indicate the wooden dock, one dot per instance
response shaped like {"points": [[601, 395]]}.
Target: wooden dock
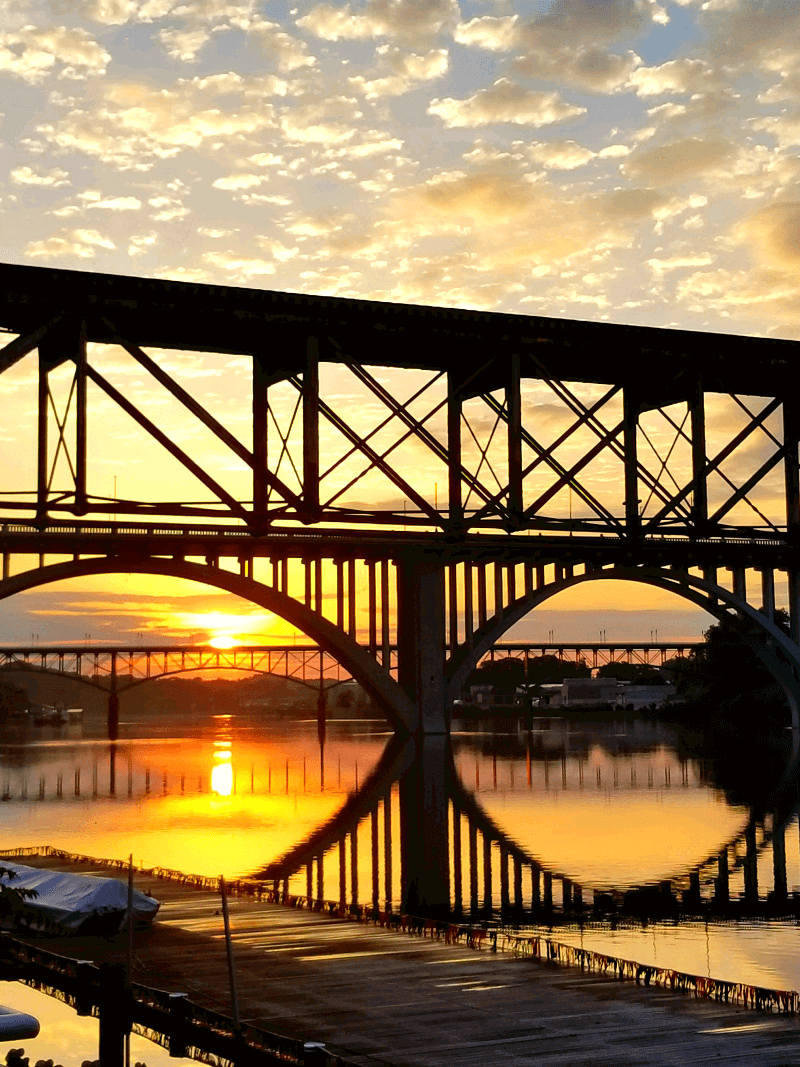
{"points": [[378, 997]]}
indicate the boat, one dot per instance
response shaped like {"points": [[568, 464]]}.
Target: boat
{"points": [[70, 903], [17, 1025]]}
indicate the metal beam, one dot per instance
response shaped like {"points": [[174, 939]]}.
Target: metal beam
{"points": [[198, 471]]}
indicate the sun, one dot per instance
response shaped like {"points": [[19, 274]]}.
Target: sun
{"points": [[223, 641]]}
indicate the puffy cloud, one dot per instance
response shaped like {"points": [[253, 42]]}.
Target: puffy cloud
{"points": [[741, 31], [675, 76], [381, 18], [78, 242], [238, 265], [140, 243], [505, 102], [569, 42], [183, 44], [559, 155], [679, 160], [774, 232], [117, 203], [27, 176], [32, 53], [629, 203], [784, 128], [329, 121], [664, 266], [135, 124], [112, 12], [288, 52], [408, 71], [492, 32], [239, 181]]}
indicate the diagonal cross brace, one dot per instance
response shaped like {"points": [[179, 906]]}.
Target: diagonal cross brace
{"points": [[207, 419], [545, 455], [721, 456], [579, 408], [376, 460], [402, 412], [170, 446]]}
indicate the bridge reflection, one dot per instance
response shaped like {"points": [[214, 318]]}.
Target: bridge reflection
{"points": [[443, 828], [455, 859]]}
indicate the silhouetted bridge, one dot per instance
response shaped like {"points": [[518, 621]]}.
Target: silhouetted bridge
{"points": [[631, 481], [118, 668]]}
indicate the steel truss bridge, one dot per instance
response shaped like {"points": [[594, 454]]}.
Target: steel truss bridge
{"points": [[119, 668], [511, 458]]}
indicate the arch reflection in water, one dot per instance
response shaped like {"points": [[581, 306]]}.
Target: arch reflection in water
{"points": [[462, 854]]}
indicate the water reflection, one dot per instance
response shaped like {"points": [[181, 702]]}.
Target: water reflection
{"points": [[551, 825]]}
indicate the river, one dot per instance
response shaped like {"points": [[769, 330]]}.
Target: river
{"points": [[620, 824]]}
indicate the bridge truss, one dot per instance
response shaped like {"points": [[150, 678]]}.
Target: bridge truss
{"points": [[405, 476], [308, 665]]}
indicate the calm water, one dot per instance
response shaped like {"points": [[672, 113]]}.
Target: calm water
{"points": [[499, 826]]}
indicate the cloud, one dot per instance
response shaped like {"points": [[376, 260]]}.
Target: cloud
{"points": [[381, 18], [505, 102], [112, 12], [559, 155], [78, 242], [408, 72], [675, 76], [135, 125], [33, 53], [239, 181], [629, 203], [664, 266], [183, 44], [330, 121], [238, 265], [774, 233], [288, 53], [570, 41], [26, 176], [679, 160], [117, 203]]}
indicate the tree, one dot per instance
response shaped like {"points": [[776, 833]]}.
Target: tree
{"points": [[12, 898], [637, 673], [728, 669]]}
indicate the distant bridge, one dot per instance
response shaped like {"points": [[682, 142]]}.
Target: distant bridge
{"points": [[118, 667]]}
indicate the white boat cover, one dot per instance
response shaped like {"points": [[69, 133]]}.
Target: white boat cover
{"points": [[71, 899]]}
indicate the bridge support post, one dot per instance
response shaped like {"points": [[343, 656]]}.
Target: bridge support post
{"points": [[424, 832], [421, 640], [113, 702]]}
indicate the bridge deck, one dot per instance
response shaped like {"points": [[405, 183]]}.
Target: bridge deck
{"points": [[385, 998]]}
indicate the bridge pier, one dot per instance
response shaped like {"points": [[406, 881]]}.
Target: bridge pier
{"points": [[421, 646], [113, 702], [424, 831]]}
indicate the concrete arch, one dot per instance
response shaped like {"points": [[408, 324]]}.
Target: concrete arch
{"points": [[394, 702], [707, 595]]}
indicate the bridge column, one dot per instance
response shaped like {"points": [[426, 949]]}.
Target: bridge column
{"points": [[421, 640], [780, 887], [768, 593], [424, 832], [751, 865], [113, 702]]}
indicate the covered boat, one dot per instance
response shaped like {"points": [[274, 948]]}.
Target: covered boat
{"points": [[73, 902]]}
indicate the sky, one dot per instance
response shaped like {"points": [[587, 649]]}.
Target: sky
{"points": [[616, 160]]}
